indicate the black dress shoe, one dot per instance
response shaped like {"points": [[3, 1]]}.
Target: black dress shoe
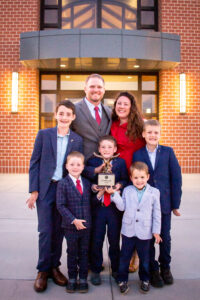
{"points": [[58, 277], [144, 287], [82, 287], [156, 280], [167, 276], [95, 278], [71, 287], [40, 283]]}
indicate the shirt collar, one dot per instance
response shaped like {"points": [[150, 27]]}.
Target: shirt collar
{"points": [[155, 150], [142, 190], [92, 106], [74, 179], [59, 135]]}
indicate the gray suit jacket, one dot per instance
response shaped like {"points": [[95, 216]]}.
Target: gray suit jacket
{"points": [[86, 126], [139, 219]]}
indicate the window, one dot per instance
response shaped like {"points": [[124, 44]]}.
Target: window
{"points": [[121, 14], [57, 86]]}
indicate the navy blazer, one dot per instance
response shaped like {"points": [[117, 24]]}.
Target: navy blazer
{"points": [[71, 204], [166, 176], [118, 168], [44, 156]]}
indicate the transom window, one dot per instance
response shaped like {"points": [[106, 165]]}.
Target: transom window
{"points": [[57, 86], [120, 14]]}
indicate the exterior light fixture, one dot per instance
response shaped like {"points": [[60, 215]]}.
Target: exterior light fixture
{"points": [[182, 93], [136, 66], [14, 92], [62, 66], [148, 110]]}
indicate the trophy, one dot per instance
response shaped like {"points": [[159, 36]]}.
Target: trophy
{"points": [[106, 178]]}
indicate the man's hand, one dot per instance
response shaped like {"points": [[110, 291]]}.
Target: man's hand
{"points": [[32, 199], [79, 224]]}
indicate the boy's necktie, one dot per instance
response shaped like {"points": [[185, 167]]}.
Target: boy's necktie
{"points": [[97, 116], [106, 199], [78, 186]]}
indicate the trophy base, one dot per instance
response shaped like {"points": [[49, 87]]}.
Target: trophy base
{"points": [[106, 180]]}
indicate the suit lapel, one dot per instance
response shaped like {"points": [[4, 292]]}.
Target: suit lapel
{"points": [[148, 160], [73, 187], [158, 154], [70, 144], [86, 112], [54, 141]]}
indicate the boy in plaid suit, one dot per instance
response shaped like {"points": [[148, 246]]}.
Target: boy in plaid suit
{"points": [[73, 203]]}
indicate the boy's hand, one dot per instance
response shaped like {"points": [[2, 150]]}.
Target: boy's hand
{"points": [[157, 238], [110, 190], [79, 224], [97, 188], [118, 186], [32, 199], [176, 212], [100, 193], [99, 169]]}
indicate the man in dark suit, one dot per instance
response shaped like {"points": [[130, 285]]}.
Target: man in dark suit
{"points": [[165, 175], [93, 119], [73, 203], [47, 162]]}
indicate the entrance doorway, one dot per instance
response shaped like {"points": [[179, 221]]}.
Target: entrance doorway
{"points": [[58, 86]]}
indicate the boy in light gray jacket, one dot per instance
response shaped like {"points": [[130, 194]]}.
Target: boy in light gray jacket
{"points": [[141, 220]]}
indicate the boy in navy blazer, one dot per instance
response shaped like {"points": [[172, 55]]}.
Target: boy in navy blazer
{"points": [[73, 203], [51, 148], [104, 213], [141, 220], [165, 175]]}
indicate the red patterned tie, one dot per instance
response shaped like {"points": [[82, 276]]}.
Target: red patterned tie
{"points": [[97, 116], [106, 199], [78, 186]]}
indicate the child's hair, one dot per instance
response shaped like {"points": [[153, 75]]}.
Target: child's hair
{"points": [[75, 154], [109, 138], [66, 103], [94, 76], [151, 122], [140, 166]]}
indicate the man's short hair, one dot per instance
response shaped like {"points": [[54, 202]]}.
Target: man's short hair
{"points": [[94, 76], [75, 154], [109, 138], [140, 166], [66, 103], [151, 122]]}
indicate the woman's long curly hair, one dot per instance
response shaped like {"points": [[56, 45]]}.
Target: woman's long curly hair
{"points": [[135, 120]]}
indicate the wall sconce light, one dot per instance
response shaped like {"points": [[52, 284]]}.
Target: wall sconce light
{"points": [[14, 92], [182, 93]]}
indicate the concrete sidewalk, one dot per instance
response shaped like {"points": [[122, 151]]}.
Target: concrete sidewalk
{"points": [[18, 250]]}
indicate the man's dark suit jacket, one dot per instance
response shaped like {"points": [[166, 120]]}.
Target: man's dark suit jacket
{"points": [[71, 204], [166, 176], [43, 159]]}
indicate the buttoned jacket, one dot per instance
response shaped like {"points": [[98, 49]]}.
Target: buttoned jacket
{"points": [[140, 219], [71, 204]]}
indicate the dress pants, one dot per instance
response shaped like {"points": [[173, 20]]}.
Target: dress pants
{"points": [[77, 253], [50, 231], [105, 218], [129, 244], [165, 246]]}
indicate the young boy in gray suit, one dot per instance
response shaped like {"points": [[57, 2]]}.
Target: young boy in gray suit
{"points": [[142, 219]]}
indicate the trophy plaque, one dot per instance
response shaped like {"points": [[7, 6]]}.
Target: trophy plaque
{"points": [[106, 178]]}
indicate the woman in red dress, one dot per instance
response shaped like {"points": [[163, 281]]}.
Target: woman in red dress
{"points": [[127, 126]]}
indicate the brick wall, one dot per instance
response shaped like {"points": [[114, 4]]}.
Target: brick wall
{"points": [[18, 130], [182, 132]]}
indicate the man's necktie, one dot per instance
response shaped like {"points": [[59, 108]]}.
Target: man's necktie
{"points": [[97, 116], [106, 199], [78, 186]]}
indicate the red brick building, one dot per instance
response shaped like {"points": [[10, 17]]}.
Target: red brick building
{"points": [[142, 46]]}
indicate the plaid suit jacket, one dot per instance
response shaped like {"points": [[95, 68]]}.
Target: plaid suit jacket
{"points": [[71, 204]]}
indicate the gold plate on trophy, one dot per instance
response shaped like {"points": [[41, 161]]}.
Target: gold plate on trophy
{"points": [[106, 179]]}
